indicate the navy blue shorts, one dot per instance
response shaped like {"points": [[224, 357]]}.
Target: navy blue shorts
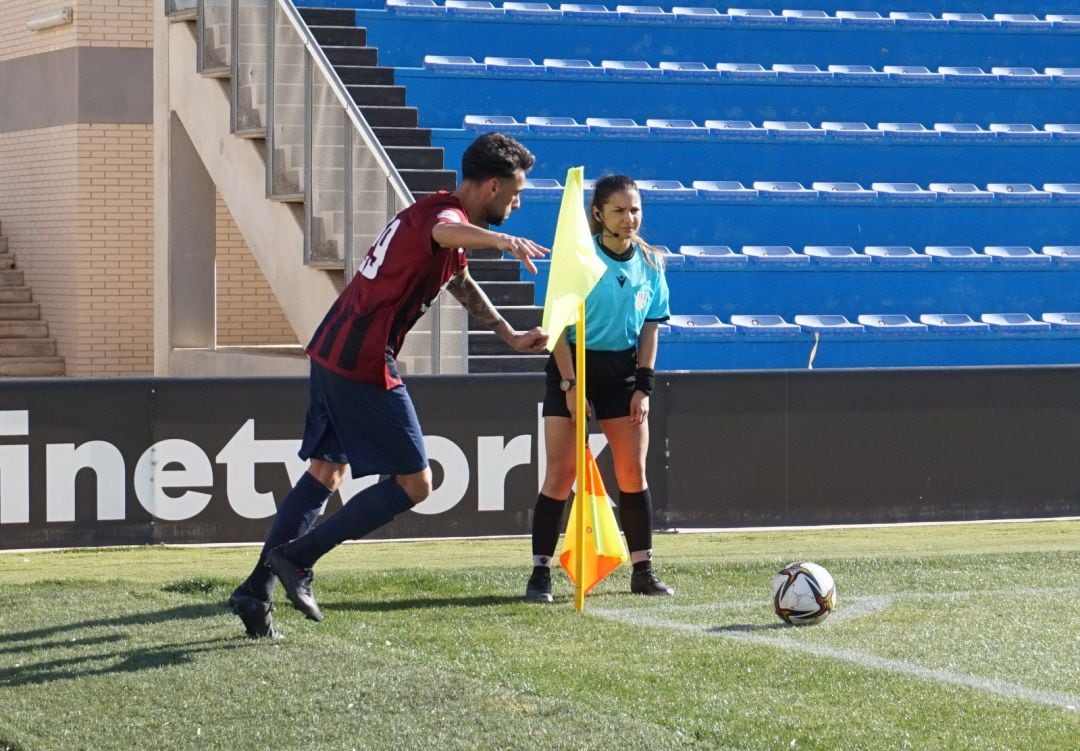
{"points": [[373, 430]]}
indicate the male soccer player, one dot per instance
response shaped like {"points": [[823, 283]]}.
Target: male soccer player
{"points": [[360, 414]]}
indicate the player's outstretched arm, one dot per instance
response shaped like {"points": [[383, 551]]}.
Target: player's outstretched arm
{"points": [[465, 289], [461, 235]]}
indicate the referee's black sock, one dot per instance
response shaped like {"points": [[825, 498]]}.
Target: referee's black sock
{"points": [[547, 518], [635, 514]]}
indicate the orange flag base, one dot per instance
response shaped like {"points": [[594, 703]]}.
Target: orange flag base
{"points": [[603, 546]]}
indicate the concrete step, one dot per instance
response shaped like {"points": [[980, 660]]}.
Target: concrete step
{"points": [[20, 311], [7, 260], [415, 157], [507, 364], [339, 36], [24, 367], [521, 317], [393, 136], [509, 293], [495, 269], [351, 55], [488, 343], [16, 294], [328, 16], [352, 74], [27, 348], [378, 95], [11, 278], [24, 330], [3, 244]]}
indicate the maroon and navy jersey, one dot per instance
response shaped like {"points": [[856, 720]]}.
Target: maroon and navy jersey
{"points": [[403, 272]]}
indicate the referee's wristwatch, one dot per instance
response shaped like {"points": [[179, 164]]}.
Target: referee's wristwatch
{"points": [[567, 383]]}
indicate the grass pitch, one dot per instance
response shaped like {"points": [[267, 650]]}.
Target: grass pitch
{"points": [[945, 637]]}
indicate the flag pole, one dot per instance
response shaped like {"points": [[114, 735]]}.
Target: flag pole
{"points": [[581, 434]]}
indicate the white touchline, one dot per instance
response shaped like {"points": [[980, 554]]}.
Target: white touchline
{"points": [[1001, 688]]}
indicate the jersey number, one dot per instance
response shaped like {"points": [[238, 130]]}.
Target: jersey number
{"points": [[373, 261]]}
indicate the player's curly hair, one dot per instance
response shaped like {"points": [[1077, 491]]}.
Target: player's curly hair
{"points": [[603, 189], [495, 155]]}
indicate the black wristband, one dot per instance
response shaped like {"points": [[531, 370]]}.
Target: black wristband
{"points": [[644, 380]]}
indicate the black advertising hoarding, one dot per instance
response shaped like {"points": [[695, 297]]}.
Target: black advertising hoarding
{"points": [[140, 461]]}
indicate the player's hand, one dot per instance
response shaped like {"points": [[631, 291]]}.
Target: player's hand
{"points": [[639, 407], [523, 249], [533, 340]]}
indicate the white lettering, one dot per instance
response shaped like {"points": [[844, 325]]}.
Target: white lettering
{"points": [[153, 476], [455, 476], [63, 462], [494, 462], [241, 454], [14, 484]]}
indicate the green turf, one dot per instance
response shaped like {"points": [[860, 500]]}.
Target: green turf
{"points": [[946, 637]]}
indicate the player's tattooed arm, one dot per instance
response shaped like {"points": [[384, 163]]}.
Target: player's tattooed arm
{"points": [[466, 291]]}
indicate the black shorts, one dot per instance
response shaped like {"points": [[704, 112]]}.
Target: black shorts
{"points": [[609, 384]]}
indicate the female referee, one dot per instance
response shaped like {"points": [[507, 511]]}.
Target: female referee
{"points": [[622, 314]]}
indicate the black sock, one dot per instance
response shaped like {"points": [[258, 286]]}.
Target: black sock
{"points": [[547, 518], [635, 514]]}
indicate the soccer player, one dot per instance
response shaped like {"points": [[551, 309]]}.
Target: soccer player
{"points": [[622, 314], [360, 414]]}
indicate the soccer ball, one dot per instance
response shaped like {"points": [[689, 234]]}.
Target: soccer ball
{"points": [[803, 593]]}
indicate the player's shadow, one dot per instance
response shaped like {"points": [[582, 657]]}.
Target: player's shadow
{"points": [[414, 603], [746, 628]]}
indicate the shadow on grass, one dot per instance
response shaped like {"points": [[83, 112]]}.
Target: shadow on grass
{"points": [[747, 628], [422, 603]]}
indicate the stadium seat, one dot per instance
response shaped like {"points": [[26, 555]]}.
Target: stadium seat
{"points": [[664, 189], [1069, 76], [785, 191], [1065, 22], [774, 255], [967, 74], [952, 322], [742, 130], [793, 130], [632, 69], [1016, 255], [964, 131], [863, 18], [1021, 132], [1018, 193], [586, 11], [1013, 323], [812, 18], [1022, 75], [744, 71], [518, 66], [564, 68], [454, 64], [835, 255], [564, 126], [957, 255], [616, 126], [844, 192], [689, 70], [1063, 254], [1023, 21], [969, 20], [1063, 321], [712, 255], [856, 73], [698, 325], [908, 132], [896, 255], [724, 190], [828, 324], [501, 123], [961, 193], [912, 74], [473, 9], [684, 128], [541, 186], [644, 14], [848, 131], [699, 15], [764, 325], [415, 7], [671, 260], [903, 193], [755, 17], [912, 19], [534, 10], [1063, 192], [891, 323], [800, 72], [1063, 131]]}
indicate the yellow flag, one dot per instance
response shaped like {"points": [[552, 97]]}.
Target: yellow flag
{"points": [[603, 544], [575, 267]]}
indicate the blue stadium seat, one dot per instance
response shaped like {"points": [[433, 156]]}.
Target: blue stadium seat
{"points": [[1016, 255], [811, 18], [688, 70], [914, 19], [896, 255], [700, 15], [586, 11], [644, 14], [1013, 323], [501, 123], [1064, 22], [541, 186], [908, 132], [754, 325], [473, 9], [891, 323], [567, 126], [863, 18], [454, 64], [742, 130], [801, 72], [774, 255], [789, 130], [1018, 193], [534, 10], [699, 325], [785, 191], [633, 69], [1063, 321], [904, 193], [1063, 192], [835, 255], [664, 189], [1063, 254], [828, 324], [961, 193], [671, 260], [518, 66], [844, 192], [415, 7], [712, 255], [570, 68], [616, 126], [912, 74], [957, 255], [755, 17], [685, 128], [965, 131], [1064, 131], [857, 73], [1020, 74], [724, 190], [945, 323], [851, 131], [1021, 132], [744, 71], [1068, 76], [1023, 21], [969, 20], [967, 74]]}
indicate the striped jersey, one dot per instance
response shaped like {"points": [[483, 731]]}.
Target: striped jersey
{"points": [[630, 293], [401, 275]]}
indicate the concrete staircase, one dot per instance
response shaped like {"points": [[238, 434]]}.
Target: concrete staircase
{"points": [[25, 347]]}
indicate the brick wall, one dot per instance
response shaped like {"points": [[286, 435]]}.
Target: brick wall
{"points": [[98, 23]]}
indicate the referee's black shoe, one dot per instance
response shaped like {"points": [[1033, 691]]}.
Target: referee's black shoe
{"points": [[255, 613], [297, 583], [646, 582], [539, 587]]}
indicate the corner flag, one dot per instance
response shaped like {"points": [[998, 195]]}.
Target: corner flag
{"points": [[575, 267], [604, 548]]}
